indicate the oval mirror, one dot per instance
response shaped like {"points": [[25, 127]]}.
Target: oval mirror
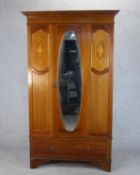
{"points": [[69, 80]]}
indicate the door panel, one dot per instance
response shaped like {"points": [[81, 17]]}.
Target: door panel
{"points": [[40, 70], [99, 120], [79, 31], [41, 101], [100, 75]]}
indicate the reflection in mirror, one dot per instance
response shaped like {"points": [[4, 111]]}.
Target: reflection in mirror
{"points": [[69, 79]]}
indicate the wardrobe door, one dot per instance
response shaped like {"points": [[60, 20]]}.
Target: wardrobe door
{"points": [[40, 79], [69, 80], [101, 80]]}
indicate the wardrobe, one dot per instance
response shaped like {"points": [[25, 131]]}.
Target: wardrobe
{"points": [[70, 83]]}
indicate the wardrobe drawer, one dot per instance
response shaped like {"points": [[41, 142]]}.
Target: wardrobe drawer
{"points": [[70, 150]]}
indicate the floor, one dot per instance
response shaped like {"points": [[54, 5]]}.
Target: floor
{"points": [[15, 161]]}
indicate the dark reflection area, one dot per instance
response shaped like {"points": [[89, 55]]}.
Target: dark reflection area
{"points": [[70, 81]]}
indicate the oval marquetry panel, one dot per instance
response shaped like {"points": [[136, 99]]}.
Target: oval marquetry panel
{"points": [[40, 50], [100, 50]]}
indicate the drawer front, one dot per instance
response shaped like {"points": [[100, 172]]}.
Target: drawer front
{"points": [[74, 150]]}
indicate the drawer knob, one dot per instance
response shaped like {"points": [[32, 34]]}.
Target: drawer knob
{"points": [[51, 149], [88, 149]]}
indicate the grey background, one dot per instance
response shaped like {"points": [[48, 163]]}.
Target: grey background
{"points": [[13, 75]]}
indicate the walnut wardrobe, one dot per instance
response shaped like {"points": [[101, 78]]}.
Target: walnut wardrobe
{"points": [[70, 75]]}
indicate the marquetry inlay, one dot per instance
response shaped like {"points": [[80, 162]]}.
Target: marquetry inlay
{"points": [[40, 50], [100, 50]]}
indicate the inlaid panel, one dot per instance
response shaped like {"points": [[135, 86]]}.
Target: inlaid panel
{"points": [[100, 50], [40, 50]]}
